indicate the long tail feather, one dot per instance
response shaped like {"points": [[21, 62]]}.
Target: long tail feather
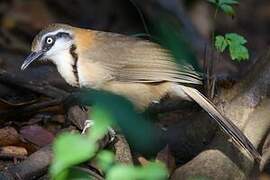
{"points": [[228, 126]]}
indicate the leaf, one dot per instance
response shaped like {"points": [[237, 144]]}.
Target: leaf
{"points": [[73, 173], [37, 135], [227, 9], [236, 46], [225, 5], [71, 149], [174, 40], [105, 160], [152, 171], [140, 133], [220, 43], [235, 38], [236, 43], [238, 52], [229, 2], [102, 120]]}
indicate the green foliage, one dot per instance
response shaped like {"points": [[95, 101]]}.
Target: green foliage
{"points": [[105, 160], [221, 43], [235, 43], [69, 150], [107, 109], [73, 173], [133, 125], [225, 5], [171, 37], [102, 120], [151, 171]]}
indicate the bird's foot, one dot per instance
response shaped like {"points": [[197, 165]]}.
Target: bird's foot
{"points": [[90, 123], [87, 124]]}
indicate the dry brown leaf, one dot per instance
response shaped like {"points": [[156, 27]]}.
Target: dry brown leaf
{"points": [[13, 152], [9, 136], [37, 135]]}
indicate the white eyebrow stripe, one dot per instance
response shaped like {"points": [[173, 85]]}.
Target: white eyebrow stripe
{"points": [[54, 33]]}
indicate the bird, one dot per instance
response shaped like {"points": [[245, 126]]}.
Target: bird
{"points": [[138, 69]]}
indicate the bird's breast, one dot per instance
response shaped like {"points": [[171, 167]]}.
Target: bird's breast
{"points": [[92, 74]]}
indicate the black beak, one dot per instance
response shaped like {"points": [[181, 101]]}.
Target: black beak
{"points": [[31, 57]]}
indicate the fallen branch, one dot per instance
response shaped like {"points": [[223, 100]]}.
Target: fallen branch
{"points": [[44, 89], [30, 109]]}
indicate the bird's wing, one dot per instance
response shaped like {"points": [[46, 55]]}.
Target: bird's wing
{"points": [[130, 59]]}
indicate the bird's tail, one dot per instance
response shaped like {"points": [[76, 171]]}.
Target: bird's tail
{"points": [[228, 126]]}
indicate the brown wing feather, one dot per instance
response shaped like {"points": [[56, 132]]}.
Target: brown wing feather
{"points": [[134, 60], [228, 126]]}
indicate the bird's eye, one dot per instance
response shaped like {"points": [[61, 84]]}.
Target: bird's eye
{"points": [[49, 40]]}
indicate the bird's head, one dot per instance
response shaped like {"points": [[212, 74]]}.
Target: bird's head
{"points": [[50, 42]]}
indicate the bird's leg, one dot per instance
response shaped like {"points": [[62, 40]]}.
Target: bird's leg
{"points": [[87, 124], [90, 123], [112, 134]]}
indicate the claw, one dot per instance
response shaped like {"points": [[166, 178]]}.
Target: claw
{"points": [[112, 134], [89, 123]]}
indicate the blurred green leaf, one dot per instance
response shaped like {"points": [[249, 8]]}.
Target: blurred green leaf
{"points": [[141, 134], [61, 175], [72, 149], [219, 3], [105, 159], [69, 150], [170, 36], [72, 174], [225, 5], [228, 2], [78, 174], [227, 9], [102, 120], [152, 171]]}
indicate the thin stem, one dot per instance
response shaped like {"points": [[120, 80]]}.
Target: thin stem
{"points": [[214, 23], [210, 88], [216, 12]]}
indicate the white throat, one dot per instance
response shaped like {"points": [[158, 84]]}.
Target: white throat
{"points": [[64, 63]]}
